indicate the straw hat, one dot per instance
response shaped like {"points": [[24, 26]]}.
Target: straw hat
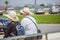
{"points": [[12, 15], [26, 10]]}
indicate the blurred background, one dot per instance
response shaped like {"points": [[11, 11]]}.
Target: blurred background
{"points": [[37, 6], [49, 9], [45, 12]]}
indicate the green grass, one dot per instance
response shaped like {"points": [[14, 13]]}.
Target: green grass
{"points": [[45, 19], [52, 19]]}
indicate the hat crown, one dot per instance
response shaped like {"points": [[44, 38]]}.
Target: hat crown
{"points": [[12, 15], [26, 10]]}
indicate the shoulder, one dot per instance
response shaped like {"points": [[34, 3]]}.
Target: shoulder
{"points": [[32, 18], [11, 24], [24, 20]]}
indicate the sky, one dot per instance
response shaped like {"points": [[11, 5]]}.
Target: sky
{"points": [[23, 2]]}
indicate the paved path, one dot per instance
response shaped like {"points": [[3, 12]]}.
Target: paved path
{"points": [[1, 36], [53, 36], [50, 28], [55, 39]]}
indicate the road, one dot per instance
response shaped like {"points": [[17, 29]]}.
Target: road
{"points": [[50, 28]]}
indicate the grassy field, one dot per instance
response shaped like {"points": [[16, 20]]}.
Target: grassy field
{"points": [[46, 19], [52, 19]]}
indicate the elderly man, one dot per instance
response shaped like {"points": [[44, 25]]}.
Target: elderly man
{"points": [[28, 22]]}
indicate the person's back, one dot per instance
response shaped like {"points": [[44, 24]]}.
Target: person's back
{"points": [[29, 26], [10, 29]]}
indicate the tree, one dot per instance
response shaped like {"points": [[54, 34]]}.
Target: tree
{"points": [[6, 2]]}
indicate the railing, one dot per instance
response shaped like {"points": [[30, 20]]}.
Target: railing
{"points": [[45, 28], [25, 36]]}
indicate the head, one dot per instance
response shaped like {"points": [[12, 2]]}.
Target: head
{"points": [[26, 11], [12, 16]]}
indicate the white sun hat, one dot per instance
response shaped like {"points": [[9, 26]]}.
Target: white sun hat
{"points": [[26, 10], [12, 15]]}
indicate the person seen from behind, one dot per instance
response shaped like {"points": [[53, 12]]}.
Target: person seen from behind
{"points": [[10, 29], [27, 23]]}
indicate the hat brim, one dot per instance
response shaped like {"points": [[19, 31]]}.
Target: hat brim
{"points": [[22, 11], [11, 18], [30, 13]]}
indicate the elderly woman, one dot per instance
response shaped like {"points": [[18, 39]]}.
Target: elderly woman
{"points": [[11, 26]]}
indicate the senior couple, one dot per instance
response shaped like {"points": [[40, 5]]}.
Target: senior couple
{"points": [[28, 22]]}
